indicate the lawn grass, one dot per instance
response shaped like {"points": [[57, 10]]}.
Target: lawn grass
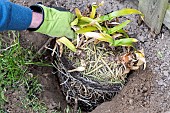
{"points": [[15, 77], [18, 86]]}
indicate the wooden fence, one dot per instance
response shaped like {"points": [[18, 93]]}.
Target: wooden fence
{"points": [[157, 12]]}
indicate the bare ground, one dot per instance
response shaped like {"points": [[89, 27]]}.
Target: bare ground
{"points": [[147, 91]]}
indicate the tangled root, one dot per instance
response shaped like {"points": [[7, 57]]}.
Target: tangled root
{"points": [[81, 91]]}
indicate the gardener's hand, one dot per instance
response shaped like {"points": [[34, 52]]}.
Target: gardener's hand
{"points": [[55, 22]]}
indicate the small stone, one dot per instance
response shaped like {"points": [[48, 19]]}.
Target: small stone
{"points": [[145, 89], [132, 107], [130, 101], [144, 103], [145, 94], [146, 29], [166, 73], [161, 83], [142, 38]]}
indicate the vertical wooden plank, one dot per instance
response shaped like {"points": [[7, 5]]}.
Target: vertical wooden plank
{"points": [[167, 17], [154, 11]]}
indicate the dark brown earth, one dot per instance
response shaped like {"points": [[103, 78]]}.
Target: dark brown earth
{"points": [[147, 91]]}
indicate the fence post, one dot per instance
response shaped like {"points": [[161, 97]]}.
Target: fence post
{"points": [[154, 11]]}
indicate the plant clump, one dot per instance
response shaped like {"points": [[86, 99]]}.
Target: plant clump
{"points": [[97, 62], [95, 53]]}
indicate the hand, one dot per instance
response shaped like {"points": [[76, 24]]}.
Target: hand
{"points": [[56, 22]]}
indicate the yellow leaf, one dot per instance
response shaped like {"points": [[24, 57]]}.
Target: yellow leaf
{"points": [[100, 36], [78, 13], [75, 22], [140, 56], [67, 43]]}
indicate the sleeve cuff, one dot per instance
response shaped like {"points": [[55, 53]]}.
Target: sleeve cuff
{"points": [[17, 17], [20, 17]]}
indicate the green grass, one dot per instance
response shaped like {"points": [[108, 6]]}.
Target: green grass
{"points": [[68, 109], [14, 77]]}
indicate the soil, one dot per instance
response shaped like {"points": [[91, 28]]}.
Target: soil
{"points": [[146, 91]]}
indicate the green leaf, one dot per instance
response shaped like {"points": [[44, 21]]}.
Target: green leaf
{"points": [[98, 26], [94, 7], [67, 43], [86, 29], [86, 19], [123, 32], [82, 24], [3, 96], [106, 38], [118, 27], [93, 12], [100, 36], [91, 22], [75, 22], [78, 13], [122, 12], [124, 42]]}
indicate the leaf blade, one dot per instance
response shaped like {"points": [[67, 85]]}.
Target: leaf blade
{"points": [[93, 12], [122, 12], [67, 43], [100, 36], [86, 29], [91, 22], [125, 42], [74, 22], [78, 13], [118, 27]]}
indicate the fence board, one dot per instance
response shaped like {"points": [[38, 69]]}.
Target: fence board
{"points": [[167, 17], [154, 11]]}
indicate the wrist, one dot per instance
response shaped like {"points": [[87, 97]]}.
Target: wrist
{"points": [[37, 19]]}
